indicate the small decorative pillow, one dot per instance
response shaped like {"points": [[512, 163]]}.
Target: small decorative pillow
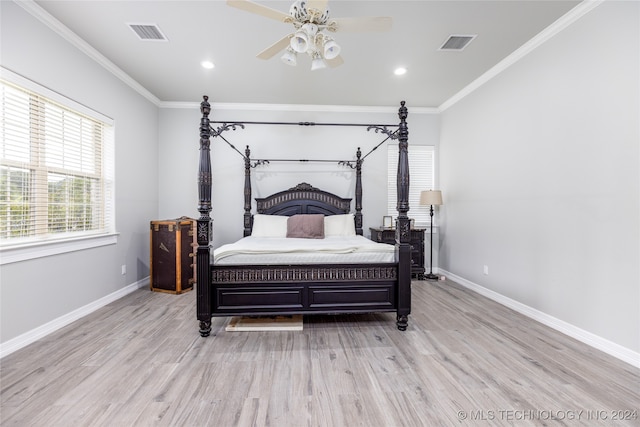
{"points": [[269, 225], [306, 226], [339, 225]]}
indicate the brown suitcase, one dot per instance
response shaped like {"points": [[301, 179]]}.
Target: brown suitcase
{"points": [[172, 255]]}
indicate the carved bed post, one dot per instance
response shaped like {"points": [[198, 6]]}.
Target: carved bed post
{"points": [[203, 267], [358, 215], [403, 231], [247, 192]]}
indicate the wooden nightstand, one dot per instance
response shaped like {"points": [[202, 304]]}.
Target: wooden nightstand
{"points": [[388, 235]]}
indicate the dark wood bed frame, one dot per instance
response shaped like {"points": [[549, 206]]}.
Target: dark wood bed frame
{"points": [[234, 290]]}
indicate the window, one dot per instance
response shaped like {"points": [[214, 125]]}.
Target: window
{"points": [[421, 176], [56, 166]]}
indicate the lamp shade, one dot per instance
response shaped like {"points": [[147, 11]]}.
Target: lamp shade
{"points": [[289, 57], [431, 197], [331, 49], [299, 42], [318, 64]]}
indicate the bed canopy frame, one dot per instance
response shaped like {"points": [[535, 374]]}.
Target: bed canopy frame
{"points": [[204, 233]]}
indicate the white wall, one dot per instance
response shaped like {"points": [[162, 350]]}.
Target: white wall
{"points": [[179, 145], [34, 293], [541, 178]]}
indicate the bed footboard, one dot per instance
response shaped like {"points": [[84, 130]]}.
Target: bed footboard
{"points": [[265, 290]]}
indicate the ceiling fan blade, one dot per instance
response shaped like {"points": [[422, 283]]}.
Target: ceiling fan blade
{"points": [[335, 62], [259, 9], [275, 48], [369, 23], [321, 5]]}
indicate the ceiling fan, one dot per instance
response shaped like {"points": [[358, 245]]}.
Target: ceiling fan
{"points": [[311, 21]]}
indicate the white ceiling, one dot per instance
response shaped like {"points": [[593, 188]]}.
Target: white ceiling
{"points": [[231, 38]]}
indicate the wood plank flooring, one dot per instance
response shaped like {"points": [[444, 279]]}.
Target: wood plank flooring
{"points": [[464, 360]]}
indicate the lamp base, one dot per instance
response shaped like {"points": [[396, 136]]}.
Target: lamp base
{"points": [[431, 276]]}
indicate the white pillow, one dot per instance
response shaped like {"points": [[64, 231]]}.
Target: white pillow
{"points": [[339, 225], [269, 225]]}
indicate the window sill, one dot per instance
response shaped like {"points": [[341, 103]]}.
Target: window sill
{"points": [[29, 251]]}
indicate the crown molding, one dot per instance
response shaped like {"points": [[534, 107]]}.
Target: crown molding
{"points": [[299, 107], [62, 30], [558, 26]]}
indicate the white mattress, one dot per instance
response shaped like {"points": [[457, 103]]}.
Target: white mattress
{"points": [[278, 250]]}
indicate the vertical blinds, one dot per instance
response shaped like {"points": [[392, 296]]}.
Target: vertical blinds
{"points": [[55, 181], [421, 175]]}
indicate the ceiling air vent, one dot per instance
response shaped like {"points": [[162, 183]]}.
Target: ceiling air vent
{"points": [[457, 42], [148, 32]]}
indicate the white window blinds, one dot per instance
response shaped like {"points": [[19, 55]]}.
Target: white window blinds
{"points": [[56, 169], [421, 177]]}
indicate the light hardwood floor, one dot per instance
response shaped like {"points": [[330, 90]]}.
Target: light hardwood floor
{"points": [[464, 360]]}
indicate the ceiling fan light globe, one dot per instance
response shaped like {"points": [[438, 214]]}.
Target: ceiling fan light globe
{"points": [[289, 57], [331, 49], [310, 29], [318, 64], [299, 42]]}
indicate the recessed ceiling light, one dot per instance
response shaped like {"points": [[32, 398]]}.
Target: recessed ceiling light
{"points": [[207, 64], [400, 71]]}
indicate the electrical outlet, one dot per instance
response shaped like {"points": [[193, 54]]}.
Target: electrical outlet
{"points": [[486, 270], [124, 269]]}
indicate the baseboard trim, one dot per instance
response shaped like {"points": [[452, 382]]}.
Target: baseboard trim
{"points": [[33, 335], [616, 350]]}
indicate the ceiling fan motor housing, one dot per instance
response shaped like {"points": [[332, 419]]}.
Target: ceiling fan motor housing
{"points": [[299, 12]]}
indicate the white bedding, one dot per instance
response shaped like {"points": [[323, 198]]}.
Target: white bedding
{"points": [[278, 250]]}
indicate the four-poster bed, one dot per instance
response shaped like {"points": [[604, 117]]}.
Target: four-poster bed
{"points": [[350, 285]]}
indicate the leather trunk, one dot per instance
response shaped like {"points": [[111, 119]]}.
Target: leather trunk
{"points": [[173, 255]]}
